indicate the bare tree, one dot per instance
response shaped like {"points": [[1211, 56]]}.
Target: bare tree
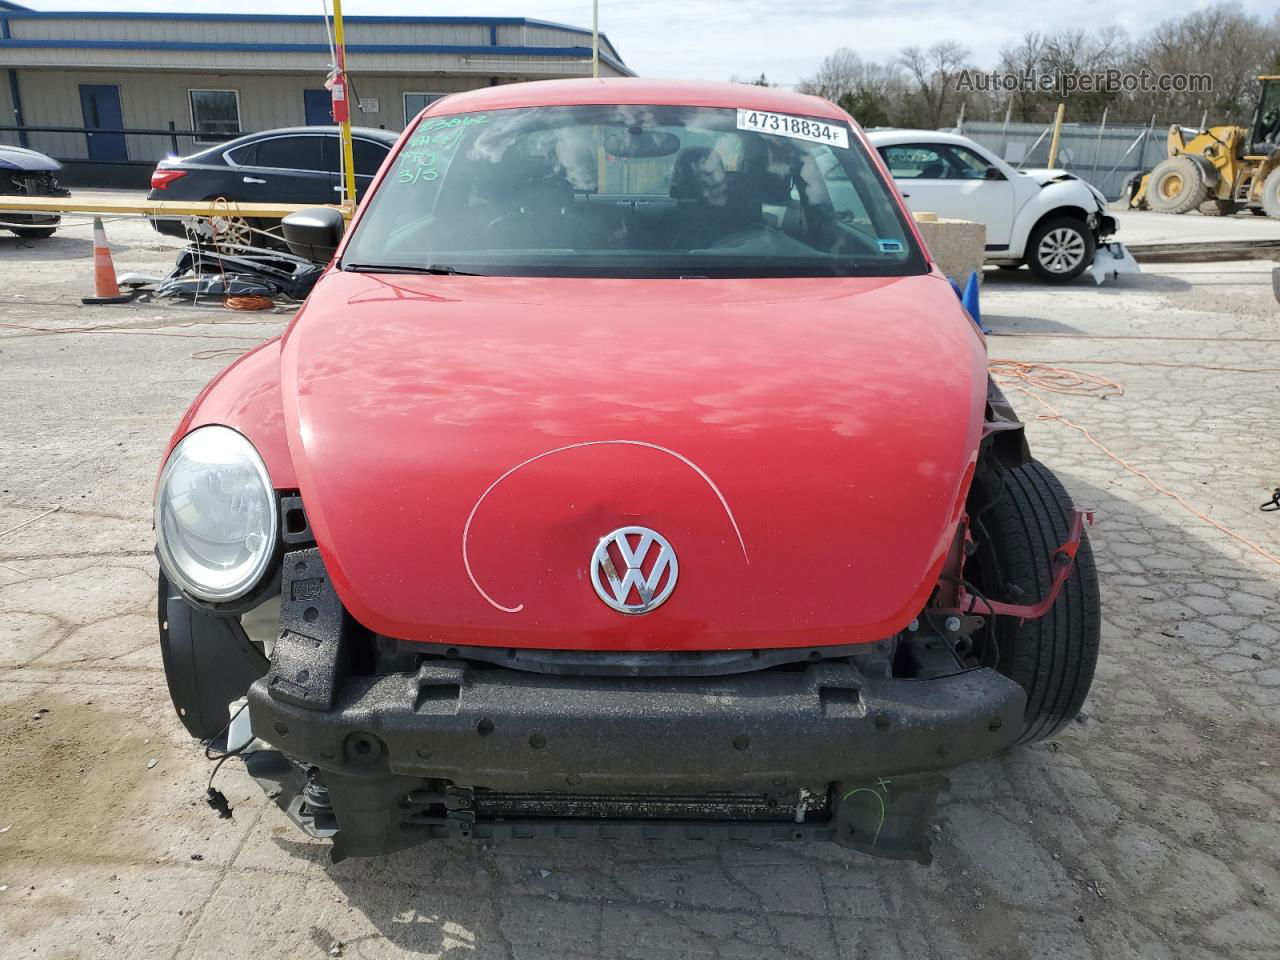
{"points": [[921, 87], [933, 73], [1221, 40], [1023, 61], [867, 90], [838, 74]]}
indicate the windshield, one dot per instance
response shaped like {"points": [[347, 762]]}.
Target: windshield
{"points": [[633, 191]]}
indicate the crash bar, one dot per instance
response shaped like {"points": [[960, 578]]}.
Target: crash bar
{"points": [[160, 208], [1062, 561]]}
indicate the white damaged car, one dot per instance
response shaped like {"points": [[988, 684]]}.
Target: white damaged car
{"points": [[1051, 220]]}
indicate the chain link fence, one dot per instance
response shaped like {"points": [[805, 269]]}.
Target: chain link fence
{"points": [[1104, 156]]}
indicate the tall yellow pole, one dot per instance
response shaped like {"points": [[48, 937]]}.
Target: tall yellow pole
{"points": [[1057, 134], [595, 38], [344, 125]]}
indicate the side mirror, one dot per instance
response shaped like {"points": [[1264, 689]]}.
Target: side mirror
{"points": [[993, 173], [314, 234]]}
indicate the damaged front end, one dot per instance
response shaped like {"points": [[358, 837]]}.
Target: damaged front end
{"points": [[381, 744], [17, 182], [1111, 257]]}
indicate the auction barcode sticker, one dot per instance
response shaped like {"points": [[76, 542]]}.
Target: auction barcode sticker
{"points": [[798, 128]]}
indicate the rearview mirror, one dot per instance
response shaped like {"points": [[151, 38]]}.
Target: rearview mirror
{"points": [[314, 234], [635, 143], [993, 173]]}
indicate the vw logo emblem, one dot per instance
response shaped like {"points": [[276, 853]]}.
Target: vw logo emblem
{"points": [[634, 569]]}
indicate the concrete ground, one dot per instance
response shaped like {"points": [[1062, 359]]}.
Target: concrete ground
{"points": [[1150, 828], [1140, 227]]}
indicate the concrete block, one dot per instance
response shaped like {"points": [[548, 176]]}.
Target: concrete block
{"points": [[957, 245]]}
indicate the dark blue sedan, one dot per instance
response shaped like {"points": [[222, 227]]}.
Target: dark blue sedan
{"points": [[289, 165]]}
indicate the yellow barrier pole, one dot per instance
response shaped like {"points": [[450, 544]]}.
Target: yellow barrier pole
{"points": [[77, 204], [595, 38], [344, 119], [1057, 134]]}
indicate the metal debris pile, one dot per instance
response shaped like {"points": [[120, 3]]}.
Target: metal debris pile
{"points": [[255, 274]]}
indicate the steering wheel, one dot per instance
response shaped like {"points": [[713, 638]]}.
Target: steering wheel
{"points": [[506, 220]]}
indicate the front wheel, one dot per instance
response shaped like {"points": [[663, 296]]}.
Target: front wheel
{"points": [[34, 233], [1176, 186], [1060, 248], [1025, 518]]}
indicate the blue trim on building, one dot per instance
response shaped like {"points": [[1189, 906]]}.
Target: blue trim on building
{"points": [[575, 53], [492, 22]]}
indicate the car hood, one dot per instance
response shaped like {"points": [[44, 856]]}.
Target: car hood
{"points": [[1048, 177], [20, 158], [462, 444]]}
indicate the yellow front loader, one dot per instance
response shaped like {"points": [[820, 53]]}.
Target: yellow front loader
{"points": [[1222, 169]]}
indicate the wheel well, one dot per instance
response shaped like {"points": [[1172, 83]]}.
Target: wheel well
{"points": [[1271, 162], [1005, 445], [1208, 172], [252, 221], [1076, 213]]}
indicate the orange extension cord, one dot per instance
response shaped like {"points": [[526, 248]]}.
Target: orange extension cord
{"points": [[1028, 377], [248, 302]]}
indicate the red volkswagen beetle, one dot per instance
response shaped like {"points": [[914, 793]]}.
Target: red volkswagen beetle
{"points": [[631, 471]]}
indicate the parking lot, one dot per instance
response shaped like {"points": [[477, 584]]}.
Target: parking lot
{"points": [[1149, 828]]}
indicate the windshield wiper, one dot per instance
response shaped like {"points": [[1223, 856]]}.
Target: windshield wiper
{"points": [[435, 269]]}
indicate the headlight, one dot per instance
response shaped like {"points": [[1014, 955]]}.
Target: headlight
{"points": [[216, 517]]}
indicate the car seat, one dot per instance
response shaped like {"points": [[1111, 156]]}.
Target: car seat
{"points": [[717, 203]]}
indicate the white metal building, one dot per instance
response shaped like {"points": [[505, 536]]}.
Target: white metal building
{"points": [[219, 75]]}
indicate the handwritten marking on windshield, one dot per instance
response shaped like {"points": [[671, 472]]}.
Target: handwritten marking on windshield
{"points": [[466, 529]]}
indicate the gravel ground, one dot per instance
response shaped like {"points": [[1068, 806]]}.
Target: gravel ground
{"points": [[1151, 828]]}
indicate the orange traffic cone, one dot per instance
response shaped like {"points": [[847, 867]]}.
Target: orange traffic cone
{"points": [[105, 288]]}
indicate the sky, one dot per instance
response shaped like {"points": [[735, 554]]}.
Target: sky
{"points": [[784, 39]]}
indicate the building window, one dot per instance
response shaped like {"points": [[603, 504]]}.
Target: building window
{"points": [[215, 115], [414, 103]]}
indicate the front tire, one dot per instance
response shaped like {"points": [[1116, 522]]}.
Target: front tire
{"points": [[1176, 186], [34, 233], [1027, 516], [1060, 249]]}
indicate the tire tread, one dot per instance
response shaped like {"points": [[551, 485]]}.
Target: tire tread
{"points": [[1052, 658]]}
